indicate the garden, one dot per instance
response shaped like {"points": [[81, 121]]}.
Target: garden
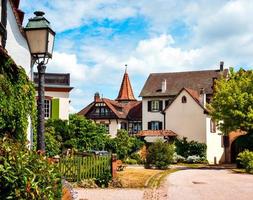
{"points": [[27, 174]]}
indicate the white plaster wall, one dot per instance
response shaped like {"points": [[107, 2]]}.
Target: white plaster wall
{"points": [[186, 119], [17, 48], [113, 126], [64, 105], [16, 44], [215, 149], [151, 116]]}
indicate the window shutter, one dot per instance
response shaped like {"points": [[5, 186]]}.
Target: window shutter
{"points": [[55, 109], [160, 105], [149, 125], [160, 125], [149, 106], [166, 103]]}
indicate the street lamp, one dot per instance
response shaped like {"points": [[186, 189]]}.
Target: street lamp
{"points": [[40, 38]]}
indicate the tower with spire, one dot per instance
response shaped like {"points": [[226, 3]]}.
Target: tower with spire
{"points": [[126, 92]]}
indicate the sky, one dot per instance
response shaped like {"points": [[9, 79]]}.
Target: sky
{"points": [[96, 38]]}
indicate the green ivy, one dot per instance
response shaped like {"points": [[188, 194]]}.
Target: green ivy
{"points": [[17, 99]]}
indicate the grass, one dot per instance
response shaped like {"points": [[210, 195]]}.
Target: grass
{"points": [[192, 165], [157, 180], [140, 177], [240, 171]]}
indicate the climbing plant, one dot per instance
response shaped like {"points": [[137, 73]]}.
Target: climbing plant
{"points": [[17, 99]]}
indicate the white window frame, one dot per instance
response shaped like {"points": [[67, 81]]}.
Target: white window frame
{"points": [[155, 105], [155, 125], [47, 110]]}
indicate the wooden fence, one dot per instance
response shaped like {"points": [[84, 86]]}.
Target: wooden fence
{"points": [[76, 168]]}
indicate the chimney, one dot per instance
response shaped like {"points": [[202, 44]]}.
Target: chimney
{"points": [[202, 97], [96, 97], [164, 86], [221, 66]]}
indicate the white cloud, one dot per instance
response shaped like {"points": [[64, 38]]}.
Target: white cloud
{"points": [[218, 30], [68, 63]]}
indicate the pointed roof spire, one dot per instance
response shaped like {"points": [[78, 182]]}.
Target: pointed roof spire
{"points": [[126, 91]]}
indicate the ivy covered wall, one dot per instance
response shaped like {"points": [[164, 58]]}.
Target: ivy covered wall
{"points": [[17, 99]]}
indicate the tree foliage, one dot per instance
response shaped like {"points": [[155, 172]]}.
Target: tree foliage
{"points": [[160, 155], [124, 145], [17, 99], [191, 148], [79, 133], [233, 101]]}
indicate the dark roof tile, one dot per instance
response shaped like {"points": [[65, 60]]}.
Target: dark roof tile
{"points": [[175, 81]]}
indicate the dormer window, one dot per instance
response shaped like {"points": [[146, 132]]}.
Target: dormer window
{"points": [[101, 109], [184, 99]]}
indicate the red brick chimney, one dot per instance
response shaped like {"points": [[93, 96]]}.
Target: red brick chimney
{"points": [[96, 97]]}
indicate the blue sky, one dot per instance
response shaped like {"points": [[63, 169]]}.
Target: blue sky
{"points": [[96, 38]]}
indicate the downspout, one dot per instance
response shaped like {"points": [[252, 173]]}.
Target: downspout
{"points": [[4, 21]]}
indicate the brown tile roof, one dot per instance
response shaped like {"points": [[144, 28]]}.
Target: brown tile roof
{"points": [[126, 91], [144, 133], [131, 110], [19, 14], [175, 81]]}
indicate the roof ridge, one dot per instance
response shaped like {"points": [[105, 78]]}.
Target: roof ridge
{"points": [[193, 71]]}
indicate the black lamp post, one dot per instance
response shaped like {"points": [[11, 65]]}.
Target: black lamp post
{"points": [[40, 38]]}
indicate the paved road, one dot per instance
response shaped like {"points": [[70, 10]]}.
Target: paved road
{"points": [[207, 184]]}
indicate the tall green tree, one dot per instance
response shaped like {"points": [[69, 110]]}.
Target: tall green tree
{"points": [[232, 103]]}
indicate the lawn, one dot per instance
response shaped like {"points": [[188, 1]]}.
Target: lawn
{"points": [[140, 177]]}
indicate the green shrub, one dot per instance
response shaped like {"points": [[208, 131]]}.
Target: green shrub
{"points": [[178, 158], [246, 160], [137, 157], [53, 146], [26, 175], [131, 161], [160, 155], [186, 149], [104, 179]]}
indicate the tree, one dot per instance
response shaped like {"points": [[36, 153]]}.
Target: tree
{"points": [[232, 103], [123, 144], [160, 155], [80, 133]]}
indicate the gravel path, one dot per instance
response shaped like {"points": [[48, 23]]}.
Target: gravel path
{"points": [[191, 184], [110, 194], [207, 184]]}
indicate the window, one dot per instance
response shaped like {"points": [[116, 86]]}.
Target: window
{"points": [[134, 127], [212, 126], [155, 106], [155, 125], [123, 125], [100, 110], [47, 108], [184, 99]]}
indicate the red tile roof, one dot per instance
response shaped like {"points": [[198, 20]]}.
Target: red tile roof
{"points": [[19, 14], [131, 110], [144, 133], [126, 91]]}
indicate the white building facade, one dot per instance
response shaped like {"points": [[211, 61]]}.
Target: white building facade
{"points": [[164, 107]]}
